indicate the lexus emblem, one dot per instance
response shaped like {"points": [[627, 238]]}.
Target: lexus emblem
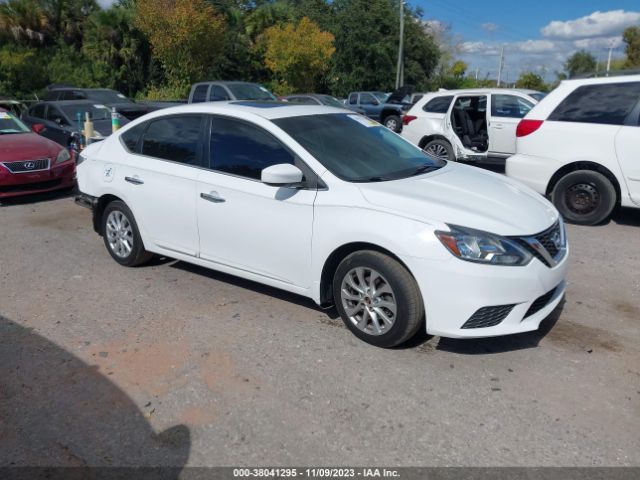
{"points": [[29, 165]]}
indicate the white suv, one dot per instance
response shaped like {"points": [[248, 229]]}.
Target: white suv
{"points": [[581, 148], [331, 205], [468, 124]]}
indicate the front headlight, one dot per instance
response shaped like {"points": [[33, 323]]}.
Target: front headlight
{"points": [[63, 156], [483, 247]]}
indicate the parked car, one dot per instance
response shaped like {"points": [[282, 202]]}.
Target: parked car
{"points": [[467, 124], [102, 96], [220, 91], [385, 108], [333, 206], [581, 147], [30, 163], [58, 120], [319, 99], [16, 107]]}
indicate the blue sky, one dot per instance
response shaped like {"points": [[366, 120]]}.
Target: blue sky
{"points": [[536, 36]]}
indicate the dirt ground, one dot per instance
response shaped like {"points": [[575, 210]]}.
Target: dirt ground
{"points": [[171, 364]]}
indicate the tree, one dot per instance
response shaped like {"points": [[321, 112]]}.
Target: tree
{"points": [[185, 35], [631, 37], [298, 54], [531, 81], [579, 63]]}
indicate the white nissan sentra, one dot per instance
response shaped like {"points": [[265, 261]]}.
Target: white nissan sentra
{"points": [[330, 205]]}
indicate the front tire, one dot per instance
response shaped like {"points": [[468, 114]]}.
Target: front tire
{"points": [[393, 123], [121, 235], [377, 298], [440, 149], [584, 197]]}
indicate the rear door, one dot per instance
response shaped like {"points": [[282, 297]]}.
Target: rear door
{"points": [[158, 179], [506, 112]]}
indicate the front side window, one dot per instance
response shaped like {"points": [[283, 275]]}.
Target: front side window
{"points": [[509, 106], [175, 138], [54, 115], [356, 148], [242, 149], [438, 104], [200, 94], [607, 104], [37, 111]]}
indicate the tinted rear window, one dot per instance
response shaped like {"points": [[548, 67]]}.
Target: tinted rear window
{"points": [[200, 94], [438, 105], [607, 104], [130, 137]]}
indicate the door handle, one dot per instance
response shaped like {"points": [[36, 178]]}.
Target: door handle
{"points": [[497, 126], [134, 180], [212, 197]]}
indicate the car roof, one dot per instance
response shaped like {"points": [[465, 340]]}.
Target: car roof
{"points": [[267, 110], [62, 103], [482, 90], [225, 82], [592, 81], [55, 89]]}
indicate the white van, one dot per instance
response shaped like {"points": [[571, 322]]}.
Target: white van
{"points": [[581, 147]]}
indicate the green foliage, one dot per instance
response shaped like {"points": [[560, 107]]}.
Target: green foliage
{"points": [[68, 65], [531, 81], [631, 37], [579, 63], [20, 71]]}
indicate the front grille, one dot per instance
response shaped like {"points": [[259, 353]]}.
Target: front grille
{"points": [[488, 316], [28, 166], [539, 303], [544, 240], [30, 187]]}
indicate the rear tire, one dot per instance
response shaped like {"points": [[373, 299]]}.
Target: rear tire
{"points": [[393, 123], [377, 298], [440, 149], [584, 197], [121, 235]]}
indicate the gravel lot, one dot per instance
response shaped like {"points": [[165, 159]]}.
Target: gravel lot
{"points": [[170, 364]]}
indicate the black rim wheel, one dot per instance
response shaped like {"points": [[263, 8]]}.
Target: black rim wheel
{"points": [[582, 198]]}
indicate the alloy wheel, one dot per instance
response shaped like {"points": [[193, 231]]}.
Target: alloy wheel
{"points": [[119, 234], [368, 300], [438, 150]]}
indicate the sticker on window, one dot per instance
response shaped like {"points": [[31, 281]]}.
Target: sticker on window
{"points": [[367, 122], [100, 106], [5, 116]]}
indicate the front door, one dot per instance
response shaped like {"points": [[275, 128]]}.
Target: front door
{"points": [[159, 181], [244, 223], [506, 113]]}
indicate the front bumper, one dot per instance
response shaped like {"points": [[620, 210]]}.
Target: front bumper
{"points": [[18, 184], [453, 291]]}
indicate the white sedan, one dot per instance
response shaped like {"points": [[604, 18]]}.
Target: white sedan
{"points": [[330, 205]]}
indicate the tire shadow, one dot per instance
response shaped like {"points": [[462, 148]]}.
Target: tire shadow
{"points": [[57, 411]]}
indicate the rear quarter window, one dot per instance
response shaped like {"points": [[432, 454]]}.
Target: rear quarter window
{"points": [[131, 138], [200, 94], [607, 104], [438, 104]]}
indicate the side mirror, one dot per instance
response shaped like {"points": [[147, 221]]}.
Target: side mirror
{"points": [[37, 128], [375, 102], [281, 175]]}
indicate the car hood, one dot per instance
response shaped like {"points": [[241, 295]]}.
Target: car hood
{"points": [[465, 196], [26, 146]]}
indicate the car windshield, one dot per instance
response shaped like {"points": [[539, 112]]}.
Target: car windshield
{"points": [[331, 101], [10, 124], [96, 112], [356, 148], [250, 91], [108, 96]]}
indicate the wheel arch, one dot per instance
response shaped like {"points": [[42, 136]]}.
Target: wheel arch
{"points": [[102, 203], [584, 165], [428, 138], [339, 254], [389, 111]]}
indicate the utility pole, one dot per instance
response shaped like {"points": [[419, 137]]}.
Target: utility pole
{"points": [[609, 60], [501, 66], [400, 67]]}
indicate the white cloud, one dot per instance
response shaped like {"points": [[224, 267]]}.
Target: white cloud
{"points": [[598, 43], [489, 27], [535, 46], [598, 24]]}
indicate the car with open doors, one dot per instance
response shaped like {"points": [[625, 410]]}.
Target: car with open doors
{"points": [[467, 124], [581, 147], [331, 205]]}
